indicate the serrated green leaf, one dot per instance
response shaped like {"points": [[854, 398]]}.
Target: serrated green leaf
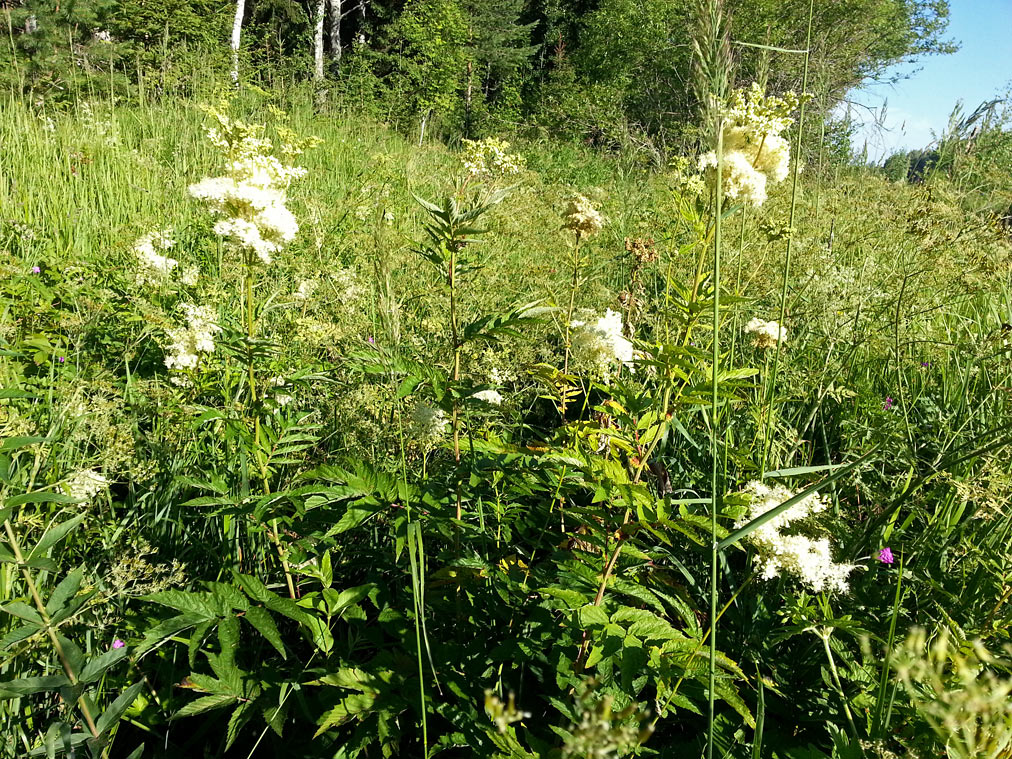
{"points": [[592, 616], [228, 639], [262, 621], [204, 704]]}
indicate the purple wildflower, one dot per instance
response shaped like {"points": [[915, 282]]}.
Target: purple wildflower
{"points": [[888, 404], [886, 555], [36, 270], [61, 359], [117, 643], [372, 340]]}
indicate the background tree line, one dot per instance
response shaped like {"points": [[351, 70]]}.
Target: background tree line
{"points": [[604, 71]]}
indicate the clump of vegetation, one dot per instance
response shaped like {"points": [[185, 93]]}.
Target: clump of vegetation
{"points": [[322, 442]]}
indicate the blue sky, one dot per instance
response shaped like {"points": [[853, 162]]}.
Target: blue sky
{"points": [[921, 104]]}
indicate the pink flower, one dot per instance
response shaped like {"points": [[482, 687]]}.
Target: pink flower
{"points": [[117, 643], [36, 270], [888, 404], [885, 555]]}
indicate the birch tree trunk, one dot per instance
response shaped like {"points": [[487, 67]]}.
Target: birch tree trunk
{"points": [[335, 29], [321, 8], [240, 11]]}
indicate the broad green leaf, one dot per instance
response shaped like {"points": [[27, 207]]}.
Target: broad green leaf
{"points": [[27, 686], [14, 443], [67, 589], [264, 624], [116, 709], [22, 610], [55, 534], [19, 634], [40, 497], [97, 667], [591, 616], [204, 704]]}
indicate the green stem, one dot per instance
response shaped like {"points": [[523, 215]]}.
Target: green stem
{"points": [[569, 320], [714, 435], [452, 279], [790, 235], [824, 635], [50, 631]]}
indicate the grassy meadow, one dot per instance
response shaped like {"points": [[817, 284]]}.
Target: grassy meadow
{"points": [[453, 474]]}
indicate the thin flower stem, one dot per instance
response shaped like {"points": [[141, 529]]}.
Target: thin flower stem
{"points": [[569, 320], [714, 436], [824, 635], [790, 238], [452, 280]]}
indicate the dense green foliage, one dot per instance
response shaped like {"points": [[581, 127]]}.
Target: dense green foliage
{"points": [[327, 538]]}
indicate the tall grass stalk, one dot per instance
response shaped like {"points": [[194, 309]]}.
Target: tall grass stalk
{"points": [[712, 73], [790, 238], [715, 437]]}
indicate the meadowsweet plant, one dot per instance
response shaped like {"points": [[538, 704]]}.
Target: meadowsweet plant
{"points": [[151, 252], [250, 200], [584, 221], [765, 334], [755, 152], [600, 346], [490, 160], [189, 342], [807, 559], [83, 486]]}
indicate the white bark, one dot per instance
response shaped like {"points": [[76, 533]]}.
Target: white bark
{"points": [[240, 11], [321, 8], [335, 29]]}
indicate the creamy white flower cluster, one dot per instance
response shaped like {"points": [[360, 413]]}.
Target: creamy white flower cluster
{"points": [[250, 200], [187, 343], [601, 343], [491, 397], [581, 216], [490, 158], [808, 559], [156, 264], [427, 424], [85, 485], [766, 334], [755, 153]]}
